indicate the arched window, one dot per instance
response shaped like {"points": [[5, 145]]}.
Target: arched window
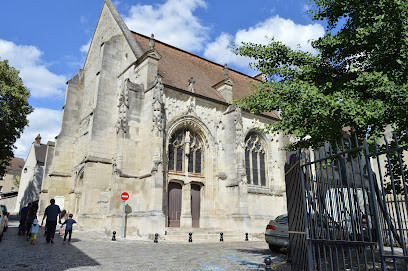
{"points": [[185, 148], [255, 160]]}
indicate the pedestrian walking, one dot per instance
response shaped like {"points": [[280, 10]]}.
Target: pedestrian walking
{"points": [[32, 214], [35, 227], [62, 217], [68, 229], [51, 213], [23, 219]]}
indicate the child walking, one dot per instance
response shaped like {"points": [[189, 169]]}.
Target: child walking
{"points": [[68, 228], [34, 231]]}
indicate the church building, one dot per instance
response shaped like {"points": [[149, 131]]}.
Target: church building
{"points": [[160, 123]]}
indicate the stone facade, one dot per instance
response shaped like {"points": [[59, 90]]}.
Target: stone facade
{"points": [[142, 116], [32, 175]]}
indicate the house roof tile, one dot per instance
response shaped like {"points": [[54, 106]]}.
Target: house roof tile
{"points": [[16, 164]]}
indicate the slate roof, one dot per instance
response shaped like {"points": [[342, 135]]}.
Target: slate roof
{"points": [[16, 164], [40, 152], [177, 66]]}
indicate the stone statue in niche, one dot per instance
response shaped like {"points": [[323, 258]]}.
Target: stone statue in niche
{"points": [[158, 90]]}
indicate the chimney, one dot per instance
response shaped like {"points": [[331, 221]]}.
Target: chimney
{"points": [[38, 139]]}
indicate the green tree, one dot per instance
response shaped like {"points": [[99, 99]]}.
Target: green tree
{"points": [[14, 109], [357, 79]]}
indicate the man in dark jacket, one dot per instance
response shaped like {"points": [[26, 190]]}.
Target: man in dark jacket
{"points": [[51, 213], [23, 219]]}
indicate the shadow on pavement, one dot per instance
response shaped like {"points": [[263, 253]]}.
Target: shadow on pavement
{"points": [[18, 254]]}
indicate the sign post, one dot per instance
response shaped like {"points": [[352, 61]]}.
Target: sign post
{"points": [[124, 196]]}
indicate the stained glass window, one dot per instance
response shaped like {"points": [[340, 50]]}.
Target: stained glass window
{"points": [[255, 163], [185, 148]]}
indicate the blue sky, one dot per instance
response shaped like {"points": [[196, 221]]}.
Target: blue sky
{"points": [[48, 40]]}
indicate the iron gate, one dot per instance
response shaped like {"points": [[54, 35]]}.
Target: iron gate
{"points": [[347, 207]]}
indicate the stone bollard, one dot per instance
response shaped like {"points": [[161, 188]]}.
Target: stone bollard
{"points": [[246, 236], [113, 236], [190, 237], [156, 235], [268, 263], [221, 237]]}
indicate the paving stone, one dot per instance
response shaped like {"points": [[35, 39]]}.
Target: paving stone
{"points": [[90, 250]]}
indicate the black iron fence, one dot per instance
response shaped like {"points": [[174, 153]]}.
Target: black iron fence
{"points": [[347, 207]]}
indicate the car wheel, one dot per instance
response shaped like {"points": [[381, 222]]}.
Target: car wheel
{"points": [[274, 248]]}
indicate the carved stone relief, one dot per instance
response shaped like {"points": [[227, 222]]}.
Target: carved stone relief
{"points": [[239, 128], [123, 105], [158, 117], [190, 106]]}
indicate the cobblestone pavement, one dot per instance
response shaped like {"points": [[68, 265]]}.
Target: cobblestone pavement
{"points": [[93, 251]]}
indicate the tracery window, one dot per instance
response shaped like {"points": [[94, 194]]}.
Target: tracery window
{"points": [[185, 152], [255, 161]]}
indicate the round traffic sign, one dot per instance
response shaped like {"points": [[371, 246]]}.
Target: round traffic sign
{"points": [[124, 196]]}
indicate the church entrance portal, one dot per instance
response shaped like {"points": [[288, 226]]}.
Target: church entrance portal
{"points": [[195, 205], [174, 204]]}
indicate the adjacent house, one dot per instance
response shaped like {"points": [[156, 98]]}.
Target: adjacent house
{"points": [[9, 182], [160, 123], [32, 175]]}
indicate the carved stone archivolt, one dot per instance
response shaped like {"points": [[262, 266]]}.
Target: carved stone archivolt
{"points": [[158, 116], [195, 125]]}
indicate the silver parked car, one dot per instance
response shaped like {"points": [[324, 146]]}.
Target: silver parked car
{"points": [[3, 221], [6, 216], [276, 234]]}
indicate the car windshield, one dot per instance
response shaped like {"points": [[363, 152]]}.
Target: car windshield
{"points": [[282, 218]]}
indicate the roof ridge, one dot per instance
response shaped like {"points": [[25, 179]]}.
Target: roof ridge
{"points": [[184, 51]]}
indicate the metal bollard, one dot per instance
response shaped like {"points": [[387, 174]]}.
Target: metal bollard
{"points": [[113, 236], [246, 236], [190, 237], [268, 263], [156, 235], [221, 237]]}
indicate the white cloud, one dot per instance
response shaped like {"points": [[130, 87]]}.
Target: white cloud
{"points": [[284, 30], [172, 22], [35, 75], [43, 121], [84, 48]]}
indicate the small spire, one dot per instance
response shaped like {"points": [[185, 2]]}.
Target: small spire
{"points": [[152, 42], [226, 71], [191, 82]]}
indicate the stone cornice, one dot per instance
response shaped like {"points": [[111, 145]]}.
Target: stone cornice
{"points": [[59, 174], [94, 159]]}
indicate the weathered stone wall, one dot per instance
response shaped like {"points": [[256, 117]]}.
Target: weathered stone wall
{"points": [[117, 122], [11, 203]]}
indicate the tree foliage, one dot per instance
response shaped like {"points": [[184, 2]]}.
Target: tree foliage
{"points": [[357, 79], [14, 109]]}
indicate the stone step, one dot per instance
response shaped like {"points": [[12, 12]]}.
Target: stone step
{"points": [[175, 234], [181, 231], [204, 238]]}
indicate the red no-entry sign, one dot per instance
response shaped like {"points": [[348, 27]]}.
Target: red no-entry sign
{"points": [[124, 196]]}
